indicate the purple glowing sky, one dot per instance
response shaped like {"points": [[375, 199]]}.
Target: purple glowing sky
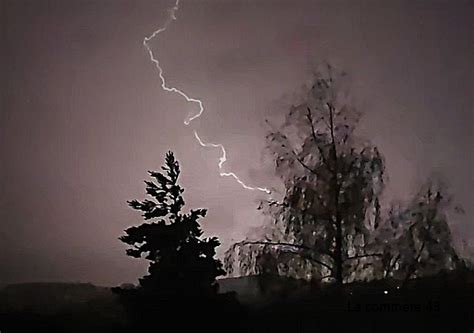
{"points": [[84, 118]]}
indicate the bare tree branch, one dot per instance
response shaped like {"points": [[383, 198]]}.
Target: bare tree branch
{"points": [[364, 256], [296, 246], [315, 138], [308, 257], [304, 164]]}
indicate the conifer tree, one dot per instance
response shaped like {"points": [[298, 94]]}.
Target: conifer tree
{"points": [[182, 263]]}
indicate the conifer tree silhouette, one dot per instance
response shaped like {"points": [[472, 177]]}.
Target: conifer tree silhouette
{"points": [[182, 263]]}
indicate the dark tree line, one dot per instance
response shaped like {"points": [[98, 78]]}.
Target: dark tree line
{"points": [[329, 226]]}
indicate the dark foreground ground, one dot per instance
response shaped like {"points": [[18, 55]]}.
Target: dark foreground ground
{"points": [[440, 304]]}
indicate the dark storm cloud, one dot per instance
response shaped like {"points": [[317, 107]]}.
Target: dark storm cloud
{"points": [[83, 117]]}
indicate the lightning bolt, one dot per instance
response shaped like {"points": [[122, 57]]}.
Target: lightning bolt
{"points": [[171, 17], [222, 160]]}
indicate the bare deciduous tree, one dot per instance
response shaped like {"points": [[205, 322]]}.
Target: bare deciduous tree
{"points": [[329, 223], [332, 179]]}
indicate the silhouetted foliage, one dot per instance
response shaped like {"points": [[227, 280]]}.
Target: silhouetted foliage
{"points": [[282, 304], [416, 240], [329, 223], [183, 267], [332, 179]]}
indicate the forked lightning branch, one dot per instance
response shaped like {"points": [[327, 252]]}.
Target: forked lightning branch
{"points": [[171, 17]]}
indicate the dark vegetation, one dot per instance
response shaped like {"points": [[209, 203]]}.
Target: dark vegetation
{"points": [[330, 225], [59, 307], [183, 267], [333, 257], [270, 304]]}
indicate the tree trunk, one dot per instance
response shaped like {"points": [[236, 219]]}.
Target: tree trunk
{"points": [[338, 250]]}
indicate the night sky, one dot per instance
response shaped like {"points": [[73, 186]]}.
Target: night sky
{"points": [[83, 116]]}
